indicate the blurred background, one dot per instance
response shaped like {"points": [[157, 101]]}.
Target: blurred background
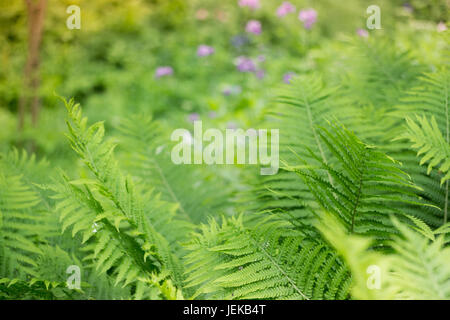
{"points": [[181, 60]]}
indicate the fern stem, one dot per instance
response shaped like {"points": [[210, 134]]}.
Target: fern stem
{"points": [[358, 196], [446, 202], [316, 138], [446, 183], [169, 189], [281, 270]]}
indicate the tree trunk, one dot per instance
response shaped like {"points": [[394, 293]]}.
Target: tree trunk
{"points": [[36, 13]]}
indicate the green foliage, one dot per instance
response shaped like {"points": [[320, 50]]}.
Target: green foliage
{"points": [[310, 103], [417, 269], [18, 245], [381, 73], [267, 261], [431, 145], [360, 192], [148, 158], [127, 241], [427, 99], [362, 186]]}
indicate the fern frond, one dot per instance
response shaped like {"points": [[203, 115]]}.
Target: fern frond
{"points": [[427, 139], [20, 229], [428, 99], [269, 261], [301, 107], [149, 160], [379, 73], [35, 289], [127, 241], [367, 185], [418, 267]]}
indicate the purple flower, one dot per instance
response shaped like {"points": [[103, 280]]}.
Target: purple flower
{"points": [[252, 4], [288, 76], [285, 8], [260, 74], [212, 114], [204, 50], [232, 125], [308, 17], [362, 33], [226, 91], [239, 40], [261, 58], [194, 117], [245, 64], [253, 26], [441, 27], [163, 71], [408, 8], [232, 90]]}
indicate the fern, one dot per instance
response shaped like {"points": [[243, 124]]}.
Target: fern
{"points": [[378, 73], [357, 192], [428, 140], [306, 103], [18, 247], [367, 185], [269, 261], [149, 160], [126, 242], [27, 228], [429, 99], [418, 268]]}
